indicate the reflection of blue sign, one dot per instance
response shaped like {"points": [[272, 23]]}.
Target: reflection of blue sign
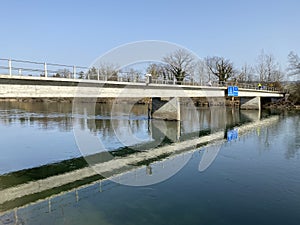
{"points": [[232, 134], [233, 91]]}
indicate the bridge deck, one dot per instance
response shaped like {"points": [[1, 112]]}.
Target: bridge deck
{"points": [[45, 87]]}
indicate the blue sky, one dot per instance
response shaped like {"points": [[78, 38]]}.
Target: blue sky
{"points": [[77, 32]]}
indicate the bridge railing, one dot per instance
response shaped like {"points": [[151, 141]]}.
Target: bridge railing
{"points": [[14, 67], [250, 85]]}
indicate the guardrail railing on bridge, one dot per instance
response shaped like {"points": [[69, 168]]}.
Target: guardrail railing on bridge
{"points": [[14, 67], [29, 68]]}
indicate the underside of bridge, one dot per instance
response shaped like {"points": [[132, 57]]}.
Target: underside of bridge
{"points": [[169, 108], [255, 103], [165, 108], [250, 103]]}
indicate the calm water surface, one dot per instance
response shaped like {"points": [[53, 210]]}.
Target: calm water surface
{"points": [[254, 179]]}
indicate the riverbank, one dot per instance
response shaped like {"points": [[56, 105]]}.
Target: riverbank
{"points": [[282, 104]]}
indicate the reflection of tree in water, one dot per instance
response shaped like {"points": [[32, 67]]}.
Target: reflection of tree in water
{"points": [[46, 116], [267, 142], [106, 127], [293, 142], [55, 115], [213, 118]]}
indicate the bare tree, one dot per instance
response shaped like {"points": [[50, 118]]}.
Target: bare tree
{"points": [[108, 71], [131, 74], [271, 67], [261, 67], [278, 75], [201, 73], [246, 74], [158, 70], [294, 64], [179, 64], [92, 74], [220, 67], [65, 73], [268, 69], [104, 71]]}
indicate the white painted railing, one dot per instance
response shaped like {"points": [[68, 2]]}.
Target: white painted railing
{"points": [[28, 68], [14, 67]]}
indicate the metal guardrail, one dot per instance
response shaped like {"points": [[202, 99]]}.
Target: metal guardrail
{"points": [[14, 67], [29, 68]]}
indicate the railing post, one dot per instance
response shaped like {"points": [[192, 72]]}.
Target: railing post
{"points": [[9, 67], [74, 72], [45, 70]]}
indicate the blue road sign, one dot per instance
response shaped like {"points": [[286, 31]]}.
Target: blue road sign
{"points": [[230, 90], [233, 91]]}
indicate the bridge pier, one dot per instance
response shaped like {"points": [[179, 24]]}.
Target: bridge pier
{"points": [[165, 108], [250, 103], [168, 129]]}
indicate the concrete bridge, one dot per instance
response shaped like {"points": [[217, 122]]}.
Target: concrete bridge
{"points": [[165, 97]]}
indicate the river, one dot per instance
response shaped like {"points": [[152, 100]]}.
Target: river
{"points": [[217, 166]]}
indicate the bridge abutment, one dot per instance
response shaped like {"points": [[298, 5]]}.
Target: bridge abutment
{"points": [[250, 103], [165, 108]]}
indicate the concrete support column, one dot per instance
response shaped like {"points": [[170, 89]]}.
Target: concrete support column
{"points": [[250, 103], [165, 108]]}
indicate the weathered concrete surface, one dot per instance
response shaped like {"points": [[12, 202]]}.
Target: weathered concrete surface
{"points": [[258, 93], [250, 103], [41, 87], [165, 109]]}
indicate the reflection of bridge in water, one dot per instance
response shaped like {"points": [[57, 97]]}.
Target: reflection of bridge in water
{"points": [[136, 168]]}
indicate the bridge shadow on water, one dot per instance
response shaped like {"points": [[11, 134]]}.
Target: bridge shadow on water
{"points": [[168, 140]]}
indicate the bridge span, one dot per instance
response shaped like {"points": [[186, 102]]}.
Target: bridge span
{"points": [[165, 97], [46, 87], [165, 94]]}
